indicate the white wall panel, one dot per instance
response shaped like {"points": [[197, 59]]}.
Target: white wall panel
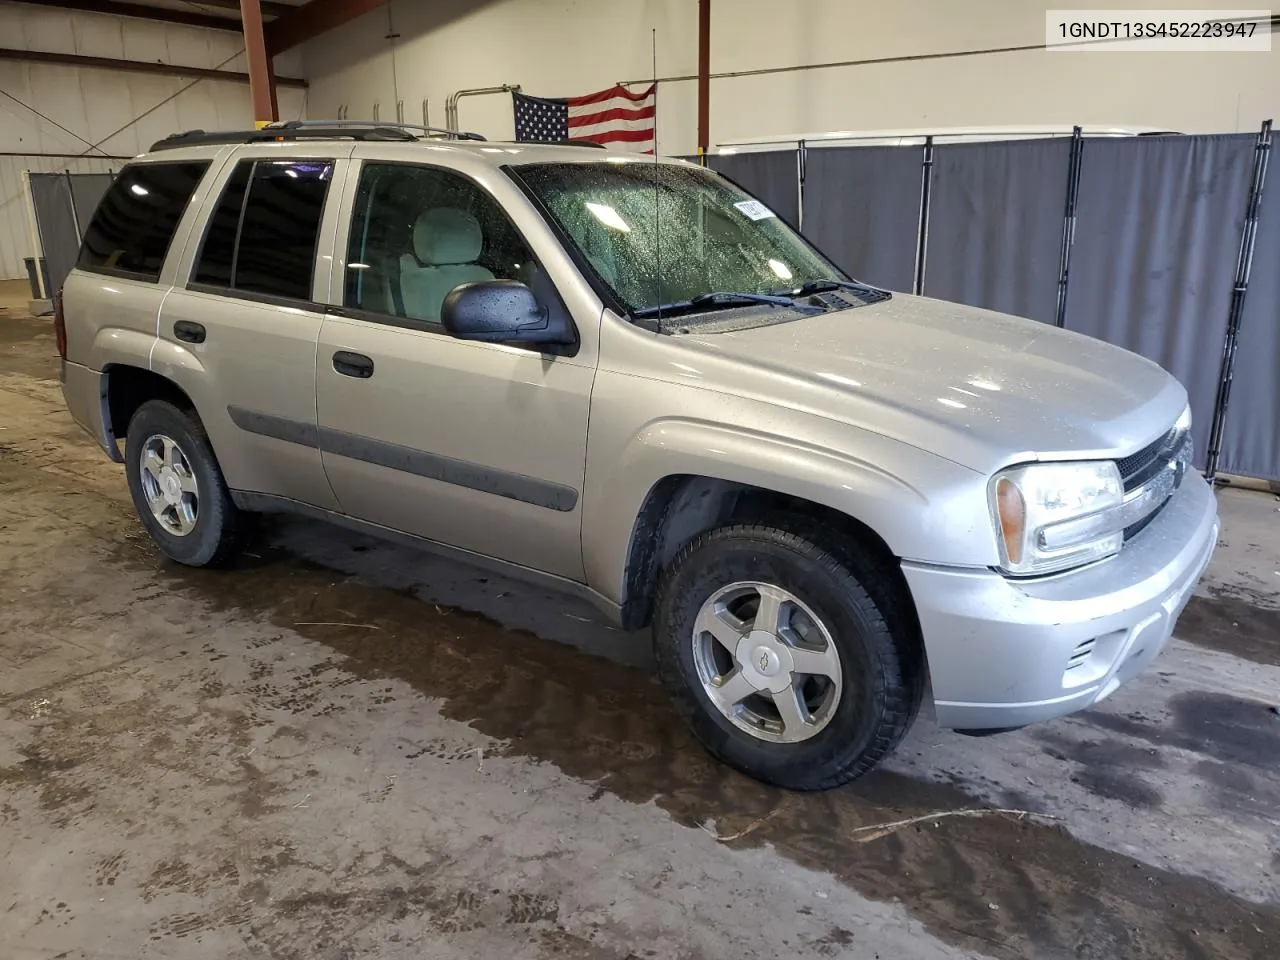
{"points": [[551, 47], [561, 48], [100, 36], [96, 104]]}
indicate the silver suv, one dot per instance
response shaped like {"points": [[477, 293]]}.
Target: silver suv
{"points": [[629, 379]]}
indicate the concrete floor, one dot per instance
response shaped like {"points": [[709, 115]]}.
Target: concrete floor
{"points": [[343, 749]]}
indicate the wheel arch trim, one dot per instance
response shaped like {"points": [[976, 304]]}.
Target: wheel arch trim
{"points": [[895, 509]]}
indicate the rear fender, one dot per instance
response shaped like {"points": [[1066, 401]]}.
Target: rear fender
{"points": [[120, 345]]}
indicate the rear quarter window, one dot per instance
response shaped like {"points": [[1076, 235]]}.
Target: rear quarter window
{"points": [[133, 227]]}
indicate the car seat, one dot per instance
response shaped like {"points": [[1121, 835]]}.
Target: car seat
{"points": [[447, 242]]}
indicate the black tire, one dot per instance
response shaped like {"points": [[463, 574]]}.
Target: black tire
{"points": [[883, 674], [216, 536]]}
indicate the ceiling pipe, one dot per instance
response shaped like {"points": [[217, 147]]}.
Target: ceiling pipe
{"points": [[451, 104]]}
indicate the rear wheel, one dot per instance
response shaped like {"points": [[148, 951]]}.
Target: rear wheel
{"points": [[177, 486], [784, 664]]}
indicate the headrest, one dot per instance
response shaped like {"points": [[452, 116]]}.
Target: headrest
{"points": [[446, 235]]}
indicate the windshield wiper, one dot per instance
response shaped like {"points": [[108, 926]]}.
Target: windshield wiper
{"points": [[722, 298], [824, 285]]}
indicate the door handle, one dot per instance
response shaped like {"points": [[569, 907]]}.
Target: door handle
{"points": [[189, 330], [353, 364]]}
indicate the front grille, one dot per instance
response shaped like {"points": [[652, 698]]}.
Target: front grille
{"points": [[1159, 466], [1137, 468]]}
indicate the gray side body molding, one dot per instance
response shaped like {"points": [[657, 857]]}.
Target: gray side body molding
{"points": [[513, 486]]}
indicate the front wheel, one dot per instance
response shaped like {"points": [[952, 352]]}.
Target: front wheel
{"points": [[177, 486], [782, 661]]}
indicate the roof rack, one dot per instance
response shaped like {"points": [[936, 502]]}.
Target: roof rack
{"points": [[377, 124], [365, 130]]}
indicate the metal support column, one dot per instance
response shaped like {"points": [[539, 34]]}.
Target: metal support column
{"points": [[1244, 265], [704, 75], [271, 76], [1069, 223], [261, 83], [922, 232], [802, 159]]}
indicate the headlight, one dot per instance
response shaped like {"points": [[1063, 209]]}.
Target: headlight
{"points": [[1052, 516]]}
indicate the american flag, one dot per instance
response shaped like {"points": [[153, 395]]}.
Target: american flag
{"points": [[615, 117]]}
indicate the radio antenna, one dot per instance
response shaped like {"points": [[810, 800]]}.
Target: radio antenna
{"points": [[657, 206]]}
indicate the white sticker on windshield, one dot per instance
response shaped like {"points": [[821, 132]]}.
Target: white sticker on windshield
{"points": [[755, 209]]}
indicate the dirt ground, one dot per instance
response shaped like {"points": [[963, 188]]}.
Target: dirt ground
{"points": [[346, 749]]}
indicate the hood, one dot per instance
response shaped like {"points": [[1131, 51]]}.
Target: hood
{"points": [[980, 388]]}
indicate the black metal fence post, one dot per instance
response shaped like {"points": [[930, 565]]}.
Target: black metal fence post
{"points": [[1244, 265], [1069, 223], [922, 232], [71, 200]]}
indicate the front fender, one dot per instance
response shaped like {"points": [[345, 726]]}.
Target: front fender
{"points": [[924, 507]]}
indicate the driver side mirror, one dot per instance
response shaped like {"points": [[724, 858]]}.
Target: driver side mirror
{"points": [[502, 311]]}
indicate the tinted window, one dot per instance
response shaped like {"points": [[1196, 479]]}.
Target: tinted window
{"points": [[134, 224], [418, 232], [217, 252], [281, 223]]}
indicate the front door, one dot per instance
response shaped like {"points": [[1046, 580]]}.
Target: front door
{"points": [[479, 446]]}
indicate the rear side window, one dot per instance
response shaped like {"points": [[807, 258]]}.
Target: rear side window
{"points": [[133, 227], [217, 253], [262, 236]]}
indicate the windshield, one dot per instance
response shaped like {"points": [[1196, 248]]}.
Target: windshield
{"points": [[660, 234]]}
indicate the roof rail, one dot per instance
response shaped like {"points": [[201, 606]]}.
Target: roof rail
{"points": [[430, 131], [365, 130]]}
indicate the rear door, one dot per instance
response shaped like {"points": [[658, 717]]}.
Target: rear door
{"points": [[476, 445], [244, 318]]}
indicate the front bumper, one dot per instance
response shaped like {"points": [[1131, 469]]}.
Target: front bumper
{"points": [[1005, 653]]}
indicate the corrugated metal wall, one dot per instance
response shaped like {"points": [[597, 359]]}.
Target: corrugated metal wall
{"points": [[82, 107]]}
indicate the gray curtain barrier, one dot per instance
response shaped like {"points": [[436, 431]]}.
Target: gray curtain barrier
{"points": [[1157, 234], [55, 219], [862, 209], [995, 225], [64, 204]]}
